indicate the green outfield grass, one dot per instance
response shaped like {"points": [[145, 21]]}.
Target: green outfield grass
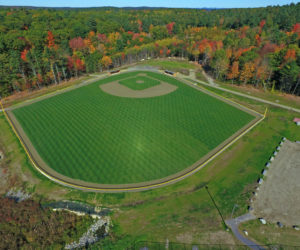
{"points": [[90, 135], [139, 82]]}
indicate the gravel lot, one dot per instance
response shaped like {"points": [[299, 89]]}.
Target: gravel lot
{"points": [[278, 199]]}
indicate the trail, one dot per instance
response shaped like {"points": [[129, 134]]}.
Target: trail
{"points": [[234, 224], [214, 85]]}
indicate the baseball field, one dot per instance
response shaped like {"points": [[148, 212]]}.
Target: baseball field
{"points": [[133, 127]]}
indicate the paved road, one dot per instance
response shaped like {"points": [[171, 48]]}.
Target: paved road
{"points": [[214, 85], [234, 223]]}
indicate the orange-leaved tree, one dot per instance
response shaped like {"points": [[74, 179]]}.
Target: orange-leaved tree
{"points": [[234, 71], [106, 61], [248, 72]]}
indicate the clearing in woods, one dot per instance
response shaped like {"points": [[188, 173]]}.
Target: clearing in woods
{"points": [[91, 136]]}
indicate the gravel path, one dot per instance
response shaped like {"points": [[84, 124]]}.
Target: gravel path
{"points": [[193, 77], [234, 224]]}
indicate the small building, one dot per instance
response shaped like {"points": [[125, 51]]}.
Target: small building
{"points": [[271, 159], [278, 148], [297, 121], [264, 172], [275, 153], [283, 139], [268, 164], [260, 181]]}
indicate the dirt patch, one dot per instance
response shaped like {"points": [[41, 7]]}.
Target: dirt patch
{"points": [[185, 237], [117, 89], [278, 198], [218, 237], [139, 81]]}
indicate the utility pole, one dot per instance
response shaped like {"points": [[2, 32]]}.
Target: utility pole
{"points": [[206, 187]]}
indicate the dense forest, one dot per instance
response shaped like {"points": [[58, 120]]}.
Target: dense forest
{"points": [[44, 46]]}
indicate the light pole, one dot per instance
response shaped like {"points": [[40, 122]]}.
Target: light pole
{"points": [[235, 205]]}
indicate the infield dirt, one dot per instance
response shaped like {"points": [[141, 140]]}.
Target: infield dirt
{"points": [[117, 89]]}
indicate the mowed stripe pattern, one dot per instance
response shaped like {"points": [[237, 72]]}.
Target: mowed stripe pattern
{"points": [[90, 135]]}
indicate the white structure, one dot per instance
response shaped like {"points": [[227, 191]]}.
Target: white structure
{"points": [[263, 221], [297, 121]]}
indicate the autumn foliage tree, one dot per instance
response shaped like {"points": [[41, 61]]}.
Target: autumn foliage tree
{"points": [[106, 61], [51, 42], [170, 27], [234, 71], [248, 72]]}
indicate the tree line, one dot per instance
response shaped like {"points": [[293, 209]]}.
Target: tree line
{"points": [[44, 46]]}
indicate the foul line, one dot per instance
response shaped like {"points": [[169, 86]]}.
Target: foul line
{"points": [[141, 188]]}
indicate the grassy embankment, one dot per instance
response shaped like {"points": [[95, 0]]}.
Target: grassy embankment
{"points": [[44, 91]]}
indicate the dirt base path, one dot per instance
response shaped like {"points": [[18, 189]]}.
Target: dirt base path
{"points": [[117, 89]]}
